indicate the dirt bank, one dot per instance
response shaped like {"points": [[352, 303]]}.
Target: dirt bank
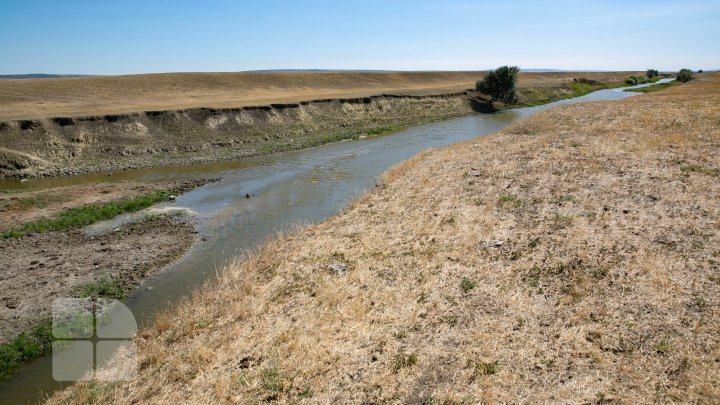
{"points": [[71, 145], [571, 258], [37, 268]]}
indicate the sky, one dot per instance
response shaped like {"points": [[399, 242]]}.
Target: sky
{"points": [[129, 36]]}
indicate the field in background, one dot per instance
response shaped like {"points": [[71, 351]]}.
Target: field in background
{"points": [[82, 96]]}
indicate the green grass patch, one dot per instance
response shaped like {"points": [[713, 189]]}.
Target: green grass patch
{"points": [[486, 368], [381, 130], [103, 288], [285, 147], [404, 361], [466, 285], [25, 347], [582, 89], [509, 200], [274, 381], [701, 170], [86, 215], [37, 341], [534, 96], [654, 87]]}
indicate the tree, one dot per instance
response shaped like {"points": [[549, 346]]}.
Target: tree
{"points": [[500, 84], [684, 75], [652, 73]]}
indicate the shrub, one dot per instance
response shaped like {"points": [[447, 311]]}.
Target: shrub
{"points": [[403, 361], [25, 347], [487, 368], [684, 75], [500, 84], [652, 73], [466, 285], [632, 80]]}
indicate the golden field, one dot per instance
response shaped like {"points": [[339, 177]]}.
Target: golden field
{"points": [[24, 99]]}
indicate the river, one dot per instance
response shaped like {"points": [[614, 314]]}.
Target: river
{"points": [[285, 189]]}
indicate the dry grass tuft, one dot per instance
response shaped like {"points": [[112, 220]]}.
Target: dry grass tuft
{"points": [[604, 286]]}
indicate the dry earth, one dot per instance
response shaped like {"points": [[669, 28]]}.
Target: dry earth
{"points": [[571, 258], [37, 268], [23, 99]]}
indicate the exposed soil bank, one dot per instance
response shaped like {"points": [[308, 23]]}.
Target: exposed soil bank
{"points": [[37, 268], [570, 258], [71, 145]]}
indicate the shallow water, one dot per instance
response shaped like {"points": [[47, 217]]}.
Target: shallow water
{"points": [[285, 189]]}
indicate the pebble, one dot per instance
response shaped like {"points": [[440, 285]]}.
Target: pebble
{"points": [[492, 243], [338, 268]]}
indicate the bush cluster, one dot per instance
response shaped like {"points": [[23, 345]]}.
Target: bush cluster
{"points": [[684, 75]]}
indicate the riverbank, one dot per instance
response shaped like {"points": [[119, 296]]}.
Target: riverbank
{"points": [[38, 267], [66, 145], [569, 258]]}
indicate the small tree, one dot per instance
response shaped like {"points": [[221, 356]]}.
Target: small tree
{"points": [[500, 84], [652, 73], [684, 75]]}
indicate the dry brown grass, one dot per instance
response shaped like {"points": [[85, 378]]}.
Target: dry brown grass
{"points": [[78, 96], [606, 286]]}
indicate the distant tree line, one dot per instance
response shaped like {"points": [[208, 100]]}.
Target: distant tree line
{"points": [[652, 73]]}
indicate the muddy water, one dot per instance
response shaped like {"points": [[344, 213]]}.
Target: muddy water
{"points": [[284, 189]]}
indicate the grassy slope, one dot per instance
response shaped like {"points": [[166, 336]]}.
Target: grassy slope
{"points": [[606, 285], [38, 98]]}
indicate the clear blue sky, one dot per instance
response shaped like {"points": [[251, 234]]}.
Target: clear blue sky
{"points": [[119, 37]]}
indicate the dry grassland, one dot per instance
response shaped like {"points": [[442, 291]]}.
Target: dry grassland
{"points": [[604, 285], [87, 96]]}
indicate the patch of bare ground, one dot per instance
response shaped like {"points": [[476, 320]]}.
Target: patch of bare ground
{"points": [[572, 258], [37, 268]]}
